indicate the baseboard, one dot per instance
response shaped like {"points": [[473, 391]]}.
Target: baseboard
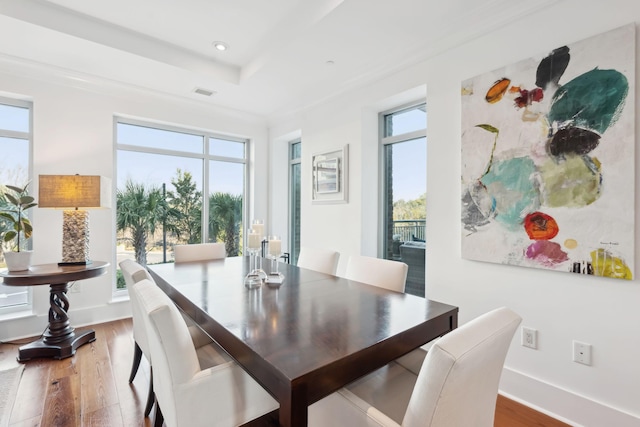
{"points": [[561, 404]]}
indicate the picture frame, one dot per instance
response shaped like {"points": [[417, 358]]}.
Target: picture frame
{"points": [[330, 176]]}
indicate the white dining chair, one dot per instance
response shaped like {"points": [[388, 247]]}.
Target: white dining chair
{"points": [[457, 385], [209, 353], [187, 394], [379, 272], [319, 259], [199, 252]]}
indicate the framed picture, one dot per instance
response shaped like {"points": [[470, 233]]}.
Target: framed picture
{"points": [[330, 176]]}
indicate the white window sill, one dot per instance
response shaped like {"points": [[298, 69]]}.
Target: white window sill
{"points": [[119, 299]]}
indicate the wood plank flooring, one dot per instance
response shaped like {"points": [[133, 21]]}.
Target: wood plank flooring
{"points": [[92, 389]]}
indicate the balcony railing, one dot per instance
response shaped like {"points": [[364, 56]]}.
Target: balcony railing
{"points": [[407, 230]]}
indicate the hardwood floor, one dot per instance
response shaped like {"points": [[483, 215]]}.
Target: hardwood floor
{"points": [[92, 389]]}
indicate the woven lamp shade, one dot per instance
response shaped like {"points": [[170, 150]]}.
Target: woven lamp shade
{"points": [[74, 191]]}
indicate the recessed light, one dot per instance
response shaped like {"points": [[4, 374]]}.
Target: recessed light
{"points": [[329, 62], [221, 46]]}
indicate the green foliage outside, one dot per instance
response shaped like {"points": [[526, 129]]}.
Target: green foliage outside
{"points": [[225, 218], [144, 210], [140, 211], [411, 209], [186, 201], [120, 284]]}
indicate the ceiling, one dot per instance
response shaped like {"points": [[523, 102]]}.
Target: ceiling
{"points": [[283, 56]]}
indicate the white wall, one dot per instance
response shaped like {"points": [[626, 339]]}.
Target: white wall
{"points": [[562, 307], [73, 133]]}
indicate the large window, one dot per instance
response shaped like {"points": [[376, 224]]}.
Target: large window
{"points": [[295, 153], [15, 146], [404, 145], [176, 186]]}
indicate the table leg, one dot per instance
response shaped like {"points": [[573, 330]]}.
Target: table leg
{"points": [[294, 407], [60, 340]]}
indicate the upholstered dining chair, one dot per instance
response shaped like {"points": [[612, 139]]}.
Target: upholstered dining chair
{"points": [[318, 259], [379, 272], [457, 385], [187, 394], [209, 353], [199, 252]]}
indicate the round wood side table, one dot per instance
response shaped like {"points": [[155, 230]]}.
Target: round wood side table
{"points": [[60, 340]]}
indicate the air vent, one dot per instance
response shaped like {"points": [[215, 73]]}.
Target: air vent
{"points": [[205, 92]]}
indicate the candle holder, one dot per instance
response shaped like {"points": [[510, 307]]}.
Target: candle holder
{"points": [[274, 278], [258, 228], [256, 275]]}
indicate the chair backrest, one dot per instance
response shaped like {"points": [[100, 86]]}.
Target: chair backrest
{"points": [[199, 252], [174, 357], [458, 381], [383, 273], [133, 273], [322, 260]]}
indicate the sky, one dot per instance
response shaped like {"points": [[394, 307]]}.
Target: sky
{"points": [[410, 157], [156, 169]]}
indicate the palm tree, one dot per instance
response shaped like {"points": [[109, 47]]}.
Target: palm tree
{"points": [[225, 219], [140, 211]]}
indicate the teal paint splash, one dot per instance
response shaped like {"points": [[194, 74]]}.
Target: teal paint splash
{"points": [[593, 100], [510, 183]]}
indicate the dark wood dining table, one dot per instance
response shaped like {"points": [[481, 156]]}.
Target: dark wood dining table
{"points": [[307, 338]]}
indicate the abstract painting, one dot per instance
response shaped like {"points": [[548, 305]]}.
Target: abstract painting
{"points": [[548, 160]]}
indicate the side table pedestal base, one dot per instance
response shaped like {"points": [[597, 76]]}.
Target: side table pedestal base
{"points": [[58, 350]]}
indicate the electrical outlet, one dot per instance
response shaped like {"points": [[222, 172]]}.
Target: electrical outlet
{"points": [[582, 353], [529, 337]]}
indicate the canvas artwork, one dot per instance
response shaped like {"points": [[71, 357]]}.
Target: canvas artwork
{"points": [[548, 160]]}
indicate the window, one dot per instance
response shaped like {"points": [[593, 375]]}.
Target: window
{"points": [[176, 186], [404, 145], [15, 145], [295, 154]]}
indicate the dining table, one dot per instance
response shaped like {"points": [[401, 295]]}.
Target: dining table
{"points": [[307, 337]]}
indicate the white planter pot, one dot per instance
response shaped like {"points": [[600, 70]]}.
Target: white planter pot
{"points": [[18, 261]]}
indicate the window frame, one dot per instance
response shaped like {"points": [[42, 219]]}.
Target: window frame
{"points": [[5, 133], [385, 141], [293, 256], [205, 156]]}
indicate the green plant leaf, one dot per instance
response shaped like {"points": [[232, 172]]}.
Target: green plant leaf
{"points": [[25, 200], [9, 236], [16, 189], [12, 199], [29, 206], [7, 216]]}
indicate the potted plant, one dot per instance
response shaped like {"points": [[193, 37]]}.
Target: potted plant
{"points": [[17, 227]]}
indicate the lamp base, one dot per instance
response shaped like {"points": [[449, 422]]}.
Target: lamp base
{"points": [[75, 237]]}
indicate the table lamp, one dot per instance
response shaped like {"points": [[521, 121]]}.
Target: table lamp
{"points": [[74, 193]]}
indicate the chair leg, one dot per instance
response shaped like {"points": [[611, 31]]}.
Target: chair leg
{"points": [[137, 356], [159, 418], [151, 398]]}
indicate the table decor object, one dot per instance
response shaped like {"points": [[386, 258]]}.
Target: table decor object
{"points": [[254, 278], [274, 277]]}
